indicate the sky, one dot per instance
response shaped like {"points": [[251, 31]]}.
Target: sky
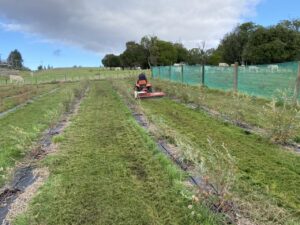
{"points": [[64, 33]]}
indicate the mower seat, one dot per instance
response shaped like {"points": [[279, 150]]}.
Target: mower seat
{"points": [[140, 84]]}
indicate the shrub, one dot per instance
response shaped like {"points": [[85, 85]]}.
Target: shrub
{"points": [[284, 119]]}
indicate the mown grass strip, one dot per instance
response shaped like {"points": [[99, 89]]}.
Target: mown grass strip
{"points": [[18, 130], [108, 171], [263, 166]]}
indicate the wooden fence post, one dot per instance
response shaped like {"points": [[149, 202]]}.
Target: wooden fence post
{"points": [[235, 77], [297, 86], [159, 72], [203, 75], [182, 74]]}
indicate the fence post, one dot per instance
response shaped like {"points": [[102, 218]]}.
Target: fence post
{"points": [[203, 75], [182, 74], [159, 72], [297, 86], [170, 72], [235, 77]]}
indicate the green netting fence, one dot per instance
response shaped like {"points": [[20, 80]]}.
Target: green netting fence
{"points": [[256, 80]]}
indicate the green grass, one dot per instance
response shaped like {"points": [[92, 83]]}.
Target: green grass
{"points": [[108, 171], [13, 96], [264, 168], [71, 74], [21, 128], [240, 107]]}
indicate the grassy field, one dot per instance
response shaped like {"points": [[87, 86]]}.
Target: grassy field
{"points": [[263, 168], [267, 175], [21, 128], [240, 108], [13, 96], [108, 171], [72, 74]]}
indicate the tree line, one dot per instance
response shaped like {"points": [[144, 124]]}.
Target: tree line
{"points": [[248, 43]]}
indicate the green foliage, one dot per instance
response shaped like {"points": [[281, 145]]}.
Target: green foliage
{"points": [[248, 43], [134, 56], [181, 52], [15, 59], [111, 60], [253, 44], [167, 53]]}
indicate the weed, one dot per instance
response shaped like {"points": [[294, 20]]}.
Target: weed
{"points": [[284, 118], [58, 139], [67, 102]]}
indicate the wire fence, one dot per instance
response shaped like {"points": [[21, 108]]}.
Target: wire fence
{"points": [[256, 80]]}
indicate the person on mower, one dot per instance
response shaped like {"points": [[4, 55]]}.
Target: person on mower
{"points": [[143, 84]]}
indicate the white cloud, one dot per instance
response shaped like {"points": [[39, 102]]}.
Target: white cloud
{"points": [[102, 25]]}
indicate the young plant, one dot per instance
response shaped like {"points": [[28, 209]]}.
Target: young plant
{"points": [[284, 119]]}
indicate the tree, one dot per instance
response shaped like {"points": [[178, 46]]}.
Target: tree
{"points": [[181, 52], [134, 56], [111, 60], [273, 45], [291, 24], [214, 56], [167, 54], [40, 67], [233, 44], [150, 45], [15, 59]]}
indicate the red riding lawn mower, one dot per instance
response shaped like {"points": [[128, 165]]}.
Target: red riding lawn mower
{"points": [[143, 89]]}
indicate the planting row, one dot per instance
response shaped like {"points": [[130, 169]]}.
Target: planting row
{"points": [[20, 129], [15, 95], [108, 171], [260, 178], [280, 118]]}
